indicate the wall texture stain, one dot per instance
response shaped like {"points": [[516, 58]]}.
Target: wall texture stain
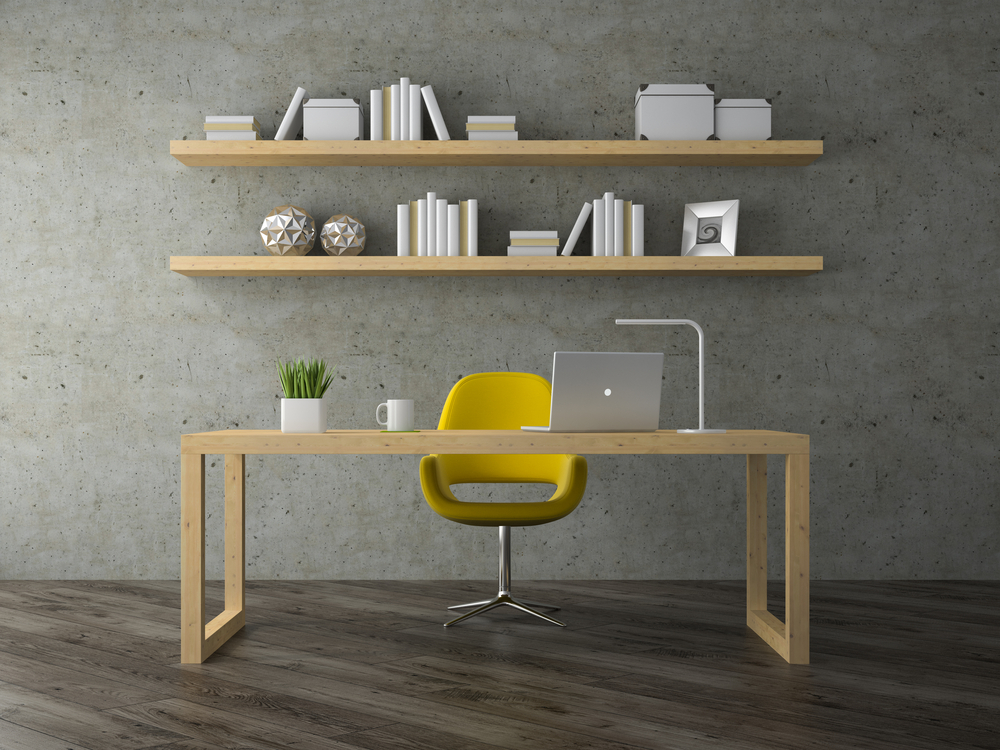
{"points": [[888, 358]]}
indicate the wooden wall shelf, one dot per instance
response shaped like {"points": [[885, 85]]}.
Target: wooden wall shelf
{"points": [[496, 153], [391, 265]]}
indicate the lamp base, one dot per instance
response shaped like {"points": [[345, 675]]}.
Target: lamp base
{"points": [[702, 432]]}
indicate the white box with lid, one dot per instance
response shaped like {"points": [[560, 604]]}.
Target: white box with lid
{"points": [[675, 112], [332, 120], [743, 119]]}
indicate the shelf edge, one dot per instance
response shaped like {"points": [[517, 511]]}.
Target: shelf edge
{"points": [[489, 266], [459, 153]]}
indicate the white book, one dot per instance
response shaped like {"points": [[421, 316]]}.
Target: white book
{"points": [[422, 227], [404, 109], [394, 112], [539, 241], [230, 126], [527, 250], [492, 135], [619, 238], [432, 223], [581, 222], [375, 115], [454, 238], [597, 227], [609, 223], [543, 235], [245, 119], [416, 114], [505, 119], [291, 123], [232, 135], [441, 222], [413, 228], [472, 240], [489, 126], [627, 228], [638, 216], [435, 113], [232, 119], [402, 228]]}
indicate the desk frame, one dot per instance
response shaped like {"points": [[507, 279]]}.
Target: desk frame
{"points": [[199, 640]]}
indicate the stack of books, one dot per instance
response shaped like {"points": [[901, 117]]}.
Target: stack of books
{"points": [[397, 112], [617, 228], [533, 243], [491, 128], [232, 128], [433, 227]]}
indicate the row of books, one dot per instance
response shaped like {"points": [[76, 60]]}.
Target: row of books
{"points": [[617, 228], [533, 243], [491, 128], [396, 112], [431, 226], [232, 128]]}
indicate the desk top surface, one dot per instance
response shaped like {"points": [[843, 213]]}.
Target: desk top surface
{"points": [[354, 442]]}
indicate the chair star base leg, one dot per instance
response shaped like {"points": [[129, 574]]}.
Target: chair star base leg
{"points": [[499, 601], [533, 605]]}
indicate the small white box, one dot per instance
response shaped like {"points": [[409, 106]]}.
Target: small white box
{"points": [[675, 112], [332, 120], [743, 119]]}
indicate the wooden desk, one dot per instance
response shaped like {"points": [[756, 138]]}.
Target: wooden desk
{"points": [[789, 638]]}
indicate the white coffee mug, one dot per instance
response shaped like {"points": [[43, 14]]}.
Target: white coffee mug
{"points": [[399, 415]]}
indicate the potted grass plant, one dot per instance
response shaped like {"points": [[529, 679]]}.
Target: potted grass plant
{"points": [[304, 383]]}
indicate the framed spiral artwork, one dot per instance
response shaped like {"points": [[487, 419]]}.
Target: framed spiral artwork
{"points": [[710, 228]]}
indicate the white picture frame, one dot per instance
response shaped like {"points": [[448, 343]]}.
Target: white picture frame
{"points": [[710, 228]]}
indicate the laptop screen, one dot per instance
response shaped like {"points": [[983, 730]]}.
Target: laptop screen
{"points": [[606, 391]]}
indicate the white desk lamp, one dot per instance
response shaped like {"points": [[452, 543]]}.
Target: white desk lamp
{"points": [[701, 363]]}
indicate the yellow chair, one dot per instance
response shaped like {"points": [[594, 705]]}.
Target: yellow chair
{"points": [[501, 401]]}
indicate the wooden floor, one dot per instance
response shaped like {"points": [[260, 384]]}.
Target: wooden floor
{"points": [[366, 664]]}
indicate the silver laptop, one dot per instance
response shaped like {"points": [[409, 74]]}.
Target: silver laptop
{"points": [[605, 392]]}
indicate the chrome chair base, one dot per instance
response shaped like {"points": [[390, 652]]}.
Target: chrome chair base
{"points": [[503, 597], [500, 600]]}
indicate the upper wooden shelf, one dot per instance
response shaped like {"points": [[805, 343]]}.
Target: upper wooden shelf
{"points": [[494, 265], [496, 153]]}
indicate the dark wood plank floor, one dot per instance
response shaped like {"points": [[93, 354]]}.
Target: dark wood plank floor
{"points": [[93, 665]]}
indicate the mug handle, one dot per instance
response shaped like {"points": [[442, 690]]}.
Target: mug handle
{"points": [[380, 422]]}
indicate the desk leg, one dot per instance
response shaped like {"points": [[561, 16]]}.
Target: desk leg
{"points": [[198, 640], [756, 533], [789, 638], [797, 557], [235, 531], [192, 557]]}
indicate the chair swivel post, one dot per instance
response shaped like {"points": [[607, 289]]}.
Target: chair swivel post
{"points": [[503, 594]]}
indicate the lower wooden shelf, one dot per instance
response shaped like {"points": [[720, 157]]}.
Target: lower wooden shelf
{"points": [[460, 153], [495, 265]]}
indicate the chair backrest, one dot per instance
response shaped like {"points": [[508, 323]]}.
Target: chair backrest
{"points": [[499, 401]]}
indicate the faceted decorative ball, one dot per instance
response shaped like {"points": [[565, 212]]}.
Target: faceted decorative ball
{"points": [[288, 230], [343, 235]]}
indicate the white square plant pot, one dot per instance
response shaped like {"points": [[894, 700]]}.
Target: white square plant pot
{"points": [[303, 415]]}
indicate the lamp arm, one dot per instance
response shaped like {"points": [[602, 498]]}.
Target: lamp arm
{"points": [[701, 352]]}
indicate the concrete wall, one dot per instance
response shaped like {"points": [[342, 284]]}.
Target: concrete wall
{"points": [[888, 358]]}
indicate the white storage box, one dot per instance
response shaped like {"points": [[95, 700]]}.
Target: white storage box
{"points": [[332, 120], [675, 112], [743, 119]]}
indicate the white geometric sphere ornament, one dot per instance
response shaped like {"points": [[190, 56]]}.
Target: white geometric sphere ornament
{"points": [[343, 235], [288, 230]]}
